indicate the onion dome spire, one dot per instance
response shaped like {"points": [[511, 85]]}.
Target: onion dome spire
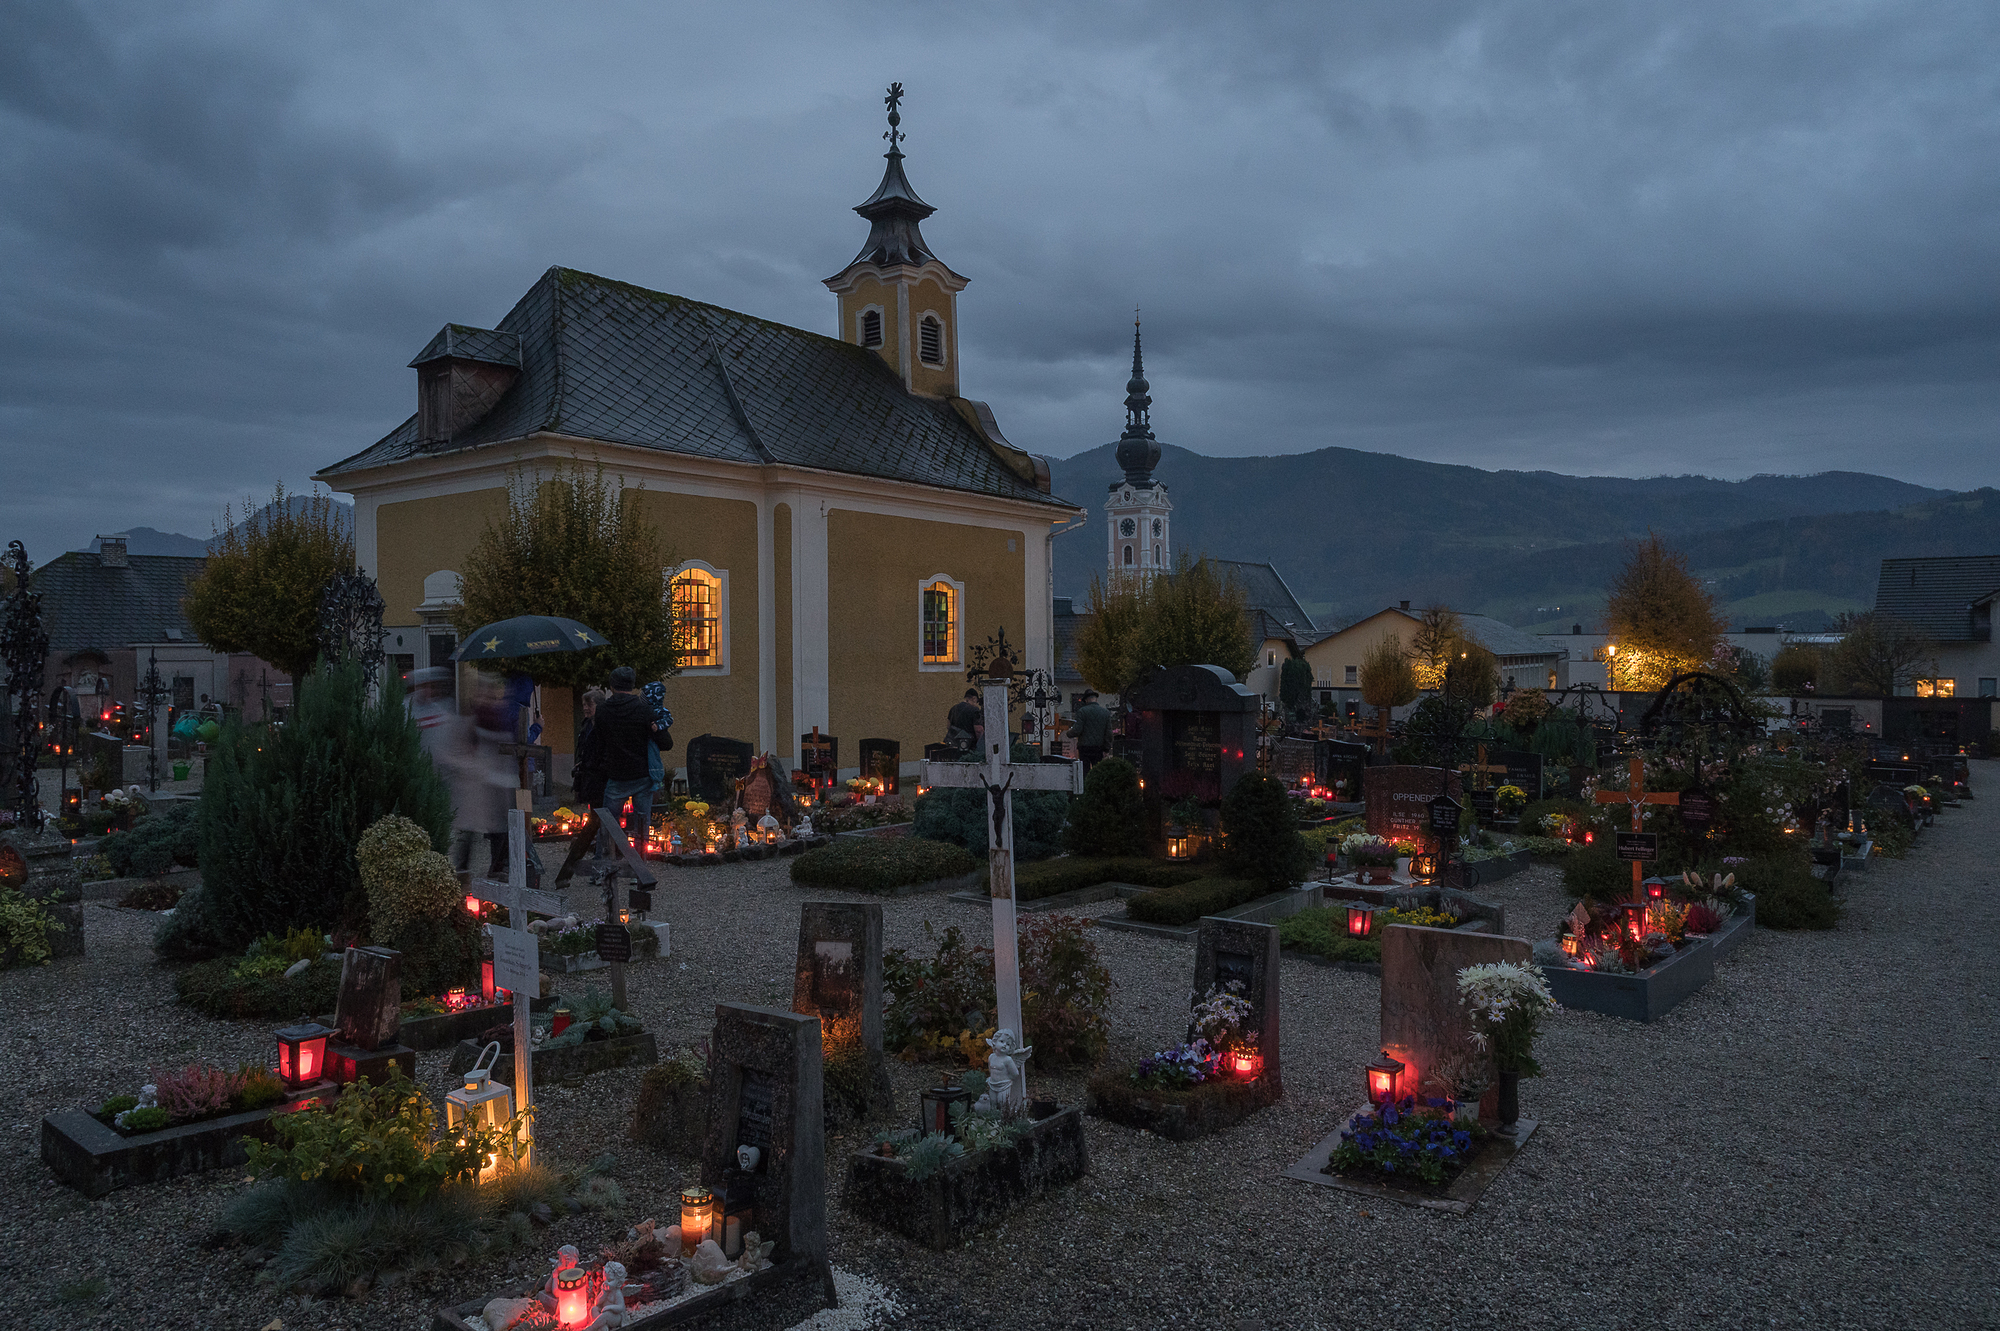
{"points": [[894, 210], [1138, 451]]}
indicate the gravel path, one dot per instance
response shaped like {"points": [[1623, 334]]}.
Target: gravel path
{"points": [[1757, 1158]]}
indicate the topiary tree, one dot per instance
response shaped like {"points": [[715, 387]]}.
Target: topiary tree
{"points": [[413, 907], [259, 590], [284, 807], [1295, 686], [1110, 817], [1261, 836], [1387, 678]]}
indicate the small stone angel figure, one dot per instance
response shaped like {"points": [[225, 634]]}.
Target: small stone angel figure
{"points": [[1006, 1070], [610, 1309]]}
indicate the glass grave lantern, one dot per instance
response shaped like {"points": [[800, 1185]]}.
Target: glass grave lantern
{"points": [[1656, 890], [1635, 919], [1360, 919], [1245, 1063], [481, 1103], [934, 1104], [302, 1053], [1424, 865], [767, 830], [697, 1216], [1382, 1074], [1180, 847], [573, 1297]]}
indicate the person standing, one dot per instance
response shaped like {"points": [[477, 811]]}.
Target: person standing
{"points": [[588, 778], [1092, 730], [965, 723], [627, 732]]}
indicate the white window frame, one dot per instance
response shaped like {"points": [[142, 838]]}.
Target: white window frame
{"points": [[957, 663], [861, 323], [721, 575], [944, 351]]}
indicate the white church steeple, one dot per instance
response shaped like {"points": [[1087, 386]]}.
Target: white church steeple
{"points": [[1139, 521]]}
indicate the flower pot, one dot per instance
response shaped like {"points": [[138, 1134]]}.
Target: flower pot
{"points": [[1403, 866], [181, 771], [1465, 1110], [1510, 1098]]}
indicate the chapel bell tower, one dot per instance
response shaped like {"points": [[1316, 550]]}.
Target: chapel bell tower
{"points": [[896, 297], [1138, 515]]}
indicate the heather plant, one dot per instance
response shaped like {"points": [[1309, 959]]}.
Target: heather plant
{"points": [[194, 1092]]}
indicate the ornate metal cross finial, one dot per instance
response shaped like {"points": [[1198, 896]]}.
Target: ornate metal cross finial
{"points": [[894, 101]]}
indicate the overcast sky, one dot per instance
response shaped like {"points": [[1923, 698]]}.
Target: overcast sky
{"points": [[1592, 237]]}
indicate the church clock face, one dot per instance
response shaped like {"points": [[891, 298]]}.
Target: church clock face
{"points": [[1127, 527]]}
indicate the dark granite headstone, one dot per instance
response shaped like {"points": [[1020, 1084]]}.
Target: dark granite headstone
{"points": [[765, 1090], [1196, 730], [1697, 809], [1341, 768], [1239, 950], [1294, 760], [369, 1011], [1399, 800], [1422, 1017], [714, 765], [883, 758], [1524, 770]]}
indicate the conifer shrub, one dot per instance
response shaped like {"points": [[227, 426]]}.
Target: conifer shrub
{"points": [[283, 809], [1261, 837], [959, 817], [156, 843], [1110, 817], [1788, 896]]}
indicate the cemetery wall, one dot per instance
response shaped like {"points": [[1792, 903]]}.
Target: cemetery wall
{"points": [[874, 565]]}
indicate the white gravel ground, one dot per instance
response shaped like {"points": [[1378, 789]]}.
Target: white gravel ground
{"points": [[1803, 1143]]}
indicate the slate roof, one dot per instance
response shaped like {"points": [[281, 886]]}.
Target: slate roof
{"points": [[464, 342], [1266, 591], [1937, 595], [614, 362], [1504, 640], [88, 604]]}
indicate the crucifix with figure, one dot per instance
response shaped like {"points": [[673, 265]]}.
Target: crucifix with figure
{"points": [[998, 776], [1636, 795]]}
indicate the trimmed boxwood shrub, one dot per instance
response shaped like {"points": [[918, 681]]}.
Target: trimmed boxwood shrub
{"points": [[1191, 901], [157, 843], [1073, 873], [1595, 871], [1788, 896], [1110, 817], [880, 864], [1261, 837], [214, 989]]}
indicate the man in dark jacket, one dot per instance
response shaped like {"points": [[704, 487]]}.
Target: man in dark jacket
{"points": [[625, 733], [966, 722], [588, 778], [1092, 731]]}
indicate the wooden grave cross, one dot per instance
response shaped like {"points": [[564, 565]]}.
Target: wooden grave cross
{"points": [[1377, 729], [1636, 795], [1479, 768], [643, 876], [996, 775]]}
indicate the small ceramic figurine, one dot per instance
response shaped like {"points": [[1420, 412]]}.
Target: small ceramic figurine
{"points": [[565, 1258], [1006, 1069], [806, 826], [610, 1309], [756, 1254], [708, 1266], [747, 1158]]}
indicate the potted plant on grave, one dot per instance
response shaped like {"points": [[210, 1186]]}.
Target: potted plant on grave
{"points": [[1507, 1001], [1508, 801], [1373, 856]]}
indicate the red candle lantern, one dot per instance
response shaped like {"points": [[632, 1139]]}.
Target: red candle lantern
{"points": [[1360, 919], [1382, 1074], [1245, 1063], [302, 1053], [572, 1297], [1656, 889], [1635, 919], [472, 905], [559, 1021]]}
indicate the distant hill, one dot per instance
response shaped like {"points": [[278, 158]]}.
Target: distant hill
{"points": [[1354, 531], [151, 541]]}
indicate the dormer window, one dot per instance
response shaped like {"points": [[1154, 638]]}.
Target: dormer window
{"points": [[930, 340], [871, 328]]}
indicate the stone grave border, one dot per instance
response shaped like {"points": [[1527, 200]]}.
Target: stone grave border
{"points": [[1264, 910], [972, 1193], [1458, 1199], [107, 890], [1657, 990], [456, 1317], [565, 1063], [1190, 1119], [443, 1029], [732, 855], [97, 1160]]}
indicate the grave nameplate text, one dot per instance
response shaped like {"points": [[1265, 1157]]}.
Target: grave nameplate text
{"points": [[1399, 798], [715, 764], [1524, 770], [1640, 847], [1697, 809]]}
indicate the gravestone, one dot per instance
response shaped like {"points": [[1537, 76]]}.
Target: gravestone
{"points": [[1239, 950], [1399, 798], [1197, 733], [1524, 770], [765, 1090], [1342, 766], [714, 765], [1697, 809], [1294, 761], [883, 758], [819, 756], [765, 790], [839, 980], [368, 1016], [1422, 1017]]}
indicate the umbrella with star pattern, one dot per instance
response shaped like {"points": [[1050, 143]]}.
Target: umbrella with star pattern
{"points": [[527, 635]]}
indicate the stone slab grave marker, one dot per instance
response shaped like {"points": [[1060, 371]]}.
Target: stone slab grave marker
{"points": [[1342, 766], [1294, 760], [819, 756], [765, 1089], [1524, 769], [883, 758], [998, 776], [367, 1016], [1480, 770], [1398, 800], [1238, 950], [1197, 734], [839, 980], [1638, 797], [1422, 1017], [715, 763]]}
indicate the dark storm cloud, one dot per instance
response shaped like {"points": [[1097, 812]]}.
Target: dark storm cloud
{"points": [[1585, 237]]}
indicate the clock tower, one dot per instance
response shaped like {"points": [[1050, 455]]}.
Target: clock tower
{"points": [[1138, 515]]}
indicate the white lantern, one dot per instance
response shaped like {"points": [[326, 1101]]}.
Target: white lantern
{"points": [[767, 830], [481, 1103]]}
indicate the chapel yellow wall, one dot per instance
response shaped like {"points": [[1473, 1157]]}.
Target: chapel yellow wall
{"points": [[418, 537], [723, 534], [872, 291], [1330, 657], [781, 558], [875, 562], [930, 295]]}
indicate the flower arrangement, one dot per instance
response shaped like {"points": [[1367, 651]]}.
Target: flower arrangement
{"points": [[1176, 1069], [1507, 1001], [1400, 1140], [1369, 851], [1510, 800]]}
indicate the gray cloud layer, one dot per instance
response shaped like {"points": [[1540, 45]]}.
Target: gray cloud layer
{"points": [[1587, 237]]}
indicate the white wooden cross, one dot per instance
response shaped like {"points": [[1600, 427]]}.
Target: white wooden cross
{"points": [[994, 773]]}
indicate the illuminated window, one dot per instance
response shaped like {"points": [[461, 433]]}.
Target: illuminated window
{"points": [[701, 616], [940, 621], [1936, 688], [871, 328], [930, 340]]}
